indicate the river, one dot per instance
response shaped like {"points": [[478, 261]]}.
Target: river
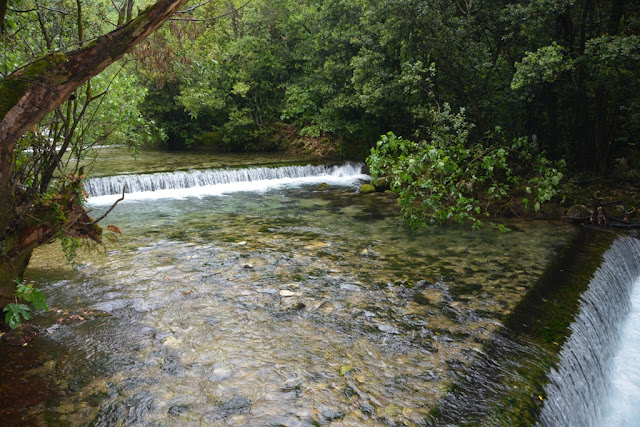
{"points": [[281, 302]]}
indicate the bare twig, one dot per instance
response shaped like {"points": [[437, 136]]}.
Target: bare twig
{"points": [[212, 18], [108, 211]]}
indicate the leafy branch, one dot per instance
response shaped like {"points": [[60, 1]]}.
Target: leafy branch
{"points": [[17, 311]]}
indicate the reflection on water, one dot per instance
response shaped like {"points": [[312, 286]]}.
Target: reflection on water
{"points": [[291, 307]]}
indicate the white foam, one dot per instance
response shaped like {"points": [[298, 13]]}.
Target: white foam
{"points": [[190, 184]]}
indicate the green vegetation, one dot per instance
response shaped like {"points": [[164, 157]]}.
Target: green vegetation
{"points": [[17, 311], [505, 99], [481, 105]]}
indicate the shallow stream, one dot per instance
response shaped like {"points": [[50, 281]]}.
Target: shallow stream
{"points": [[283, 305]]}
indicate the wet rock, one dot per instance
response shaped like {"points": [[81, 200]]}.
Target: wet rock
{"points": [[220, 373], [348, 392], [326, 307], [173, 367], [428, 296], [317, 245], [430, 376], [367, 408], [237, 405], [177, 409], [286, 293], [172, 342], [578, 211], [211, 321], [290, 305], [323, 186], [387, 329], [327, 416], [112, 305], [552, 210], [382, 184], [367, 188]]}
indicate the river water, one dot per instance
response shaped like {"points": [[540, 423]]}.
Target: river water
{"points": [[277, 304]]}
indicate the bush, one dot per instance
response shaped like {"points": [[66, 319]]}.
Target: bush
{"points": [[448, 179]]}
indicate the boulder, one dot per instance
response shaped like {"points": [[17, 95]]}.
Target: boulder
{"points": [[579, 211], [382, 184], [367, 188]]}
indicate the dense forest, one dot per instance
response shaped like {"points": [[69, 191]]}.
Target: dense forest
{"points": [[455, 103], [563, 74]]}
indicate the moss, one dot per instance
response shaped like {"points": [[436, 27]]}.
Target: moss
{"points": [[11, 90], [13, 87]]}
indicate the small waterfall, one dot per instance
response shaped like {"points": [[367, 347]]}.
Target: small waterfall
{"points": [[580, 388], [196, 182]]}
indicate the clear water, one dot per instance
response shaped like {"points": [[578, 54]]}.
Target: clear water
{"points": [[289, 305]]}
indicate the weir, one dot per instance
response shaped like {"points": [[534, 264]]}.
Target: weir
{"points": [[138, 183], [580, 390], [555, 361]]}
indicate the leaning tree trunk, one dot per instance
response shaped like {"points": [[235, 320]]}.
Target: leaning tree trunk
{"points": [[26, 97]]}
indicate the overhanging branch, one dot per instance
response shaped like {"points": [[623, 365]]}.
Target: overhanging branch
{"points": [[108, 211]]}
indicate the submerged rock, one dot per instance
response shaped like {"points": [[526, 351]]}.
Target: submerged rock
{"points": [[428, 296], [326, 307], [22, 335], [286, 293], [224, 409]]}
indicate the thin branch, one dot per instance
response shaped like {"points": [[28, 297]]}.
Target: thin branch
{"points": [[50, 9], [213, 18], [124, 187], [192, 8]]}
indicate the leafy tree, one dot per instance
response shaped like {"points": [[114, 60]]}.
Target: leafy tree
{"points": [[40, 198]]}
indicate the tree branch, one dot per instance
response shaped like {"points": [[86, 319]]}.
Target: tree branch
{"points": [[213, 18], [124, 187]]}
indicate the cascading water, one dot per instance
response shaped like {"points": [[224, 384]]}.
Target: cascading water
{"points": [[217, 181], [582, 390]]}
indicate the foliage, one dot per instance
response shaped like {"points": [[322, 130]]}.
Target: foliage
{"points": [[545, 65], [438, 179], [566, 73], [41, 173], [447, 179], [17, 311]]}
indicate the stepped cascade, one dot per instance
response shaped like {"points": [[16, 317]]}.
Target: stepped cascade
{"points": [[135, 183]]}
